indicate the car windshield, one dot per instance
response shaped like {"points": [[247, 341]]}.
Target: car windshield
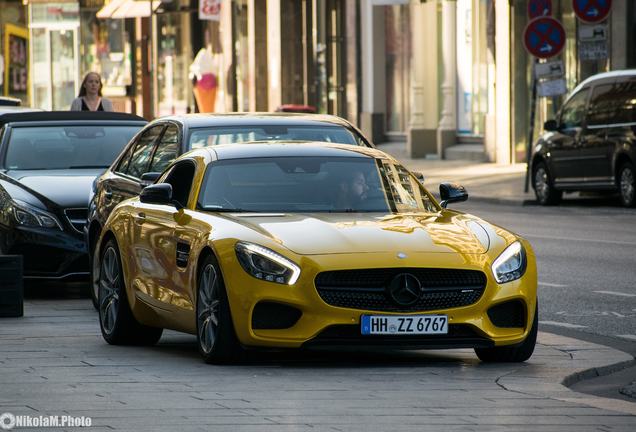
{"points": [[203, 137], [312, 184], [64, 147]]}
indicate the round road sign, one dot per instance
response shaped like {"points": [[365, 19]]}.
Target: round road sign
{"points": [[544, 37], [592, 11], [537, 8]]}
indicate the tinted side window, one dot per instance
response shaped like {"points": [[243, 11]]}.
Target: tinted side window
{"points": [[613, 103], [167, 150], [181, 177], [574, 111], [143, 152]]}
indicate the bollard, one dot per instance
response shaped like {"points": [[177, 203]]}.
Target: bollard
{"points": [[11, 286]]}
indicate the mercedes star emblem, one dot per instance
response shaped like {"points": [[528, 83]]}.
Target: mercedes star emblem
{"points": [[404, 289]]}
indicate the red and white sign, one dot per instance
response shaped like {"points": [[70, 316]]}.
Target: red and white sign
{"points": [[210, 10]]}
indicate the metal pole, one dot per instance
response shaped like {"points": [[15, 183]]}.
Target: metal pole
{"points": [[533, 108]]}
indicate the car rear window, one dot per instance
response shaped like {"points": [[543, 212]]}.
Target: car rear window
{"points": [[64, 147], [204, 137]]}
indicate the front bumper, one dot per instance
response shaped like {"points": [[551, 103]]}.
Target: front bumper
{"points": [[49, 254], [323, 324]]}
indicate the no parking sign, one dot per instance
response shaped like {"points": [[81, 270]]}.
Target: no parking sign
{"points": [[544, 37], [592, 11]]}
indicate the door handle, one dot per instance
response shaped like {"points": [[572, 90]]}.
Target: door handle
{"points": [[140, 218]]}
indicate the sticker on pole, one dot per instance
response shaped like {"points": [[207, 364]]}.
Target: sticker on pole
{"points": [[537, 8], [592, 11], [544, 37]]}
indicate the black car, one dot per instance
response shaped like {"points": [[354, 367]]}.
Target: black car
{"points": [[162, 140], [48, 162], [592, 143]]}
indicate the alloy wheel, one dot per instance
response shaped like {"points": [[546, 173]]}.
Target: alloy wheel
{"points": [[208, 308], [109, 290], [541, 185], [627, 185]]}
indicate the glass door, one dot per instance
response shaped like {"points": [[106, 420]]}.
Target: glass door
{"points": [[64, 66]]}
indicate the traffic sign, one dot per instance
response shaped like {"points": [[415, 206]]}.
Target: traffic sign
{"points": [[537, 8], [544, 37], [592, 11]]}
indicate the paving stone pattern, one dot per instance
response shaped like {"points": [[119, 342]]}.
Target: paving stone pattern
{"points": [[53, 361]]}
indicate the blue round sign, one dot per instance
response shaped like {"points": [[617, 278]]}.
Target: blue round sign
{"points": [[537, 8], [592, 11], [544, 37]]}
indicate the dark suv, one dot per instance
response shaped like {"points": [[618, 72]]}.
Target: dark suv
{"points": [[592, 143]]}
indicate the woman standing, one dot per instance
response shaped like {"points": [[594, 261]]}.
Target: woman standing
{"points": [[90, 95]]}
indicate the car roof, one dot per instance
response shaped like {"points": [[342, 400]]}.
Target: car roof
{"points": [[65, 116], [264, 118], [290, 149], [603, 76]]}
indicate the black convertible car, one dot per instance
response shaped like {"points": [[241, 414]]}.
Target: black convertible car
{"points": [[48, 162]]}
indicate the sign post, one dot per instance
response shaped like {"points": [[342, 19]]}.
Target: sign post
{"points": [[544, 37]]}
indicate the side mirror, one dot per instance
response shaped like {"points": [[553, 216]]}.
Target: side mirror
{"points": [[551, 126], [160, 193], [452, 192], [419, 176], [149, 178]]}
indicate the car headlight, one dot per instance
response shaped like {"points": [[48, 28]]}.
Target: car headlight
{"points": [[511, 264], [265, 264], [27, 215]]}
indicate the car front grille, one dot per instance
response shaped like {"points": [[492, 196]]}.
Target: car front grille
{"points": [[367, 288], [77, 218]]}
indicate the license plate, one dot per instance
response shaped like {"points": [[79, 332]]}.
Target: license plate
{"points": [[407, 324]]}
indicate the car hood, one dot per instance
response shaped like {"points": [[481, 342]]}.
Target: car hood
{"points": [[317, 234], [66, 188]]}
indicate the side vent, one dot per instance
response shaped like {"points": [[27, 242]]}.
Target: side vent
{"points": [[183, 254]]}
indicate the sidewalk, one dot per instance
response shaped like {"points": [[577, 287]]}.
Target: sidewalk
{"points": [[484, 181], [55, 362]]}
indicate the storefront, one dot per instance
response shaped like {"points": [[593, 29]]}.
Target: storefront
{"points": [[107, 48], [14, 50]]}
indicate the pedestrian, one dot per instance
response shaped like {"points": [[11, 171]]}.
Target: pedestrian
{"points": [[90, 95]]}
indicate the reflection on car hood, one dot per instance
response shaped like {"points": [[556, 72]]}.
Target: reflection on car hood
{"points": [[320, 233], [66, 188]]}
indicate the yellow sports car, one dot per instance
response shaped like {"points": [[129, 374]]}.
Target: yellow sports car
{"points": [[303, 245]]}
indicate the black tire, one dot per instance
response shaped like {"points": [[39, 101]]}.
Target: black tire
{"points": [[627, 184], [217, 342], [117, 323], [93, 282], [542, 183], [513, 354]]}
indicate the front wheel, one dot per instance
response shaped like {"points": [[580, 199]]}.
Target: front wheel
{"points": [[215, 331], [118, 325], [514, 354], [627, 184], [543, 188]]}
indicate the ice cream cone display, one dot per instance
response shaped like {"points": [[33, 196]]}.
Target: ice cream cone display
{"points": [[202, 71]]}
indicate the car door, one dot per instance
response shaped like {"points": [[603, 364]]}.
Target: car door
{"points": [[596, 148], [564, 144], [126, 183], [159, 253]]}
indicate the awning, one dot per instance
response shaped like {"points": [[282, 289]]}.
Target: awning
{"points": [[118, 9], [109, 8]]}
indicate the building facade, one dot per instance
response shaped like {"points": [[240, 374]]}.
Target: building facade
{"points": [[437, 74]]}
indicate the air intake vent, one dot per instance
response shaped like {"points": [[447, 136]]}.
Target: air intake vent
{"points": [[508, 314], [274, 316]]}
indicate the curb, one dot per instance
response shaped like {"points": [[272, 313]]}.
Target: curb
{"points": [[597, 372]]}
